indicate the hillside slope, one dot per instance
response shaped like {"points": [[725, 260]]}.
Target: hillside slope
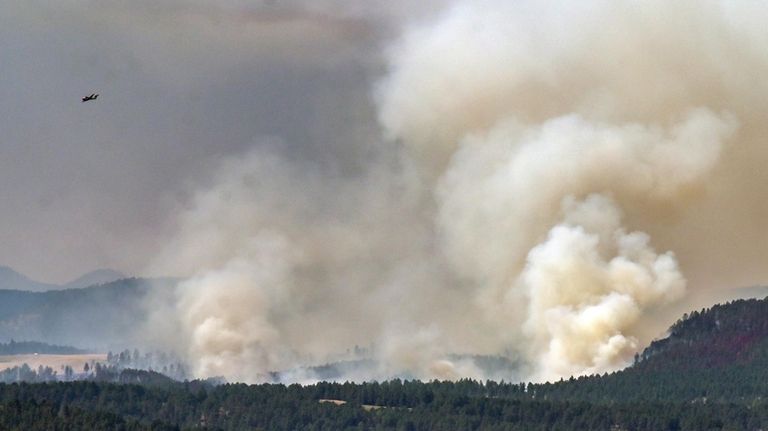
{"points": [[96, 317], [93, 278], [721, 336], [717, 354], [11, 279]]}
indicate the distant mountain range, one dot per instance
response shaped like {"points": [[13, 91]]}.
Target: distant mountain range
{"points": [[13, 280]]}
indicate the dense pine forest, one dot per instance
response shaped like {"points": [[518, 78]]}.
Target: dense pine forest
{"points": [[711, 373]]}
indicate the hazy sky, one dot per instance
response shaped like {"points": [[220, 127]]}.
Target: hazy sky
{"points": [[183, 84]]}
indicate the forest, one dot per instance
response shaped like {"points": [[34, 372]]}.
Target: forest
{"points": [[394, 405]]}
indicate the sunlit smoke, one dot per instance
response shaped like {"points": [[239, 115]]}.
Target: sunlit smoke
{"points": [[588, 284]]}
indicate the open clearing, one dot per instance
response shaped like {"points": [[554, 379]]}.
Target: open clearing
{"points": [[366, 407], [57, 362]]}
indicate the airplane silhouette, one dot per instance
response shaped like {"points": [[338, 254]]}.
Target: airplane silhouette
{"points": [[91, 97]]}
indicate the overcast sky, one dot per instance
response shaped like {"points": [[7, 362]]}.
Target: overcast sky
{"points": [[182, 85]]}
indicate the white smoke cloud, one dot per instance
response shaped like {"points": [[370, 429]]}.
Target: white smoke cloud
{"points": [[587, 285], [550, 150]]}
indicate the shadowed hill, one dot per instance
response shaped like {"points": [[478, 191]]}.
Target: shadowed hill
{"points": [[93, 278], [725, 335], [97, 317], [11, 279]]}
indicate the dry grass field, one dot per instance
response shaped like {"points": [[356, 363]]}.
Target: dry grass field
{"points": [[57, 362]]}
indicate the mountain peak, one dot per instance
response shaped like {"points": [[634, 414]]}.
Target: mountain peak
{"points": [[13, 280]]}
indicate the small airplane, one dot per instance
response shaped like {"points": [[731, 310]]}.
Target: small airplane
{"points": [[91, 97]]}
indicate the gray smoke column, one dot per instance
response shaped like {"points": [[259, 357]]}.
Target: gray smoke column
{"points": [[289, 266], [568, 170]]}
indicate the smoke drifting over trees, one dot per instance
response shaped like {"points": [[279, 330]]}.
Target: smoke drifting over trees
{"points": [[538, 180]]}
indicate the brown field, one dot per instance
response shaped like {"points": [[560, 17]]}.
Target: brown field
{"points": [[336, 402], [57, 362]]}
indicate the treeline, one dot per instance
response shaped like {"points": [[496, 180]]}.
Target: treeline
{"points": [[162, 362], [31, 347], [25, 373], [118, 365], [97, 373], [396, 405]]}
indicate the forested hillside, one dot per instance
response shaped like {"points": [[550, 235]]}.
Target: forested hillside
{"points": [[718, 354], [723, 335], [95, 317]]}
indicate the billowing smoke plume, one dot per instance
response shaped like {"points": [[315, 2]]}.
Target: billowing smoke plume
{"points": [[519, 175], [292, 267], [549, 151], [588, 284]]}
